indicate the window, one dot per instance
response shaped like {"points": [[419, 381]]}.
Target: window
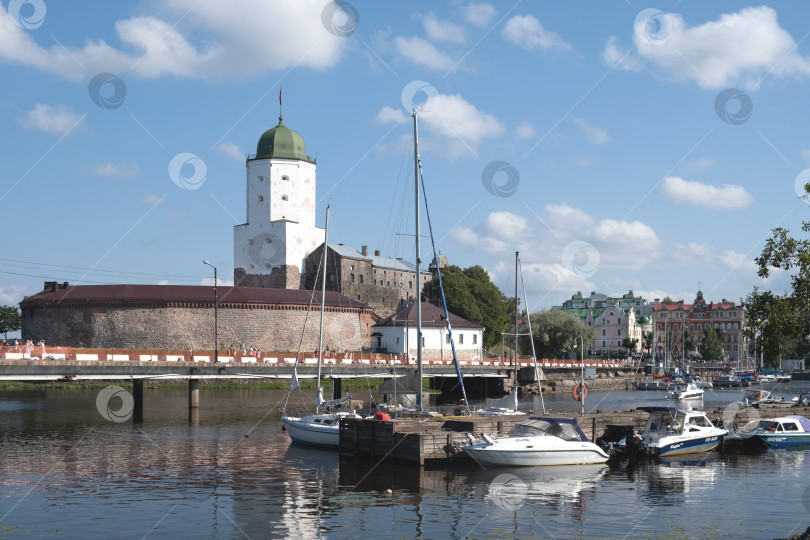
{"points": [[475, 339], [397, 341], [260, 178], [620, 333], [352, 278], [410, 284], [603, 331], [260, 198], [447, 339], [284, 198], [285, 177], [361, 278], [461, 339], [351, 267], [388, 283]]}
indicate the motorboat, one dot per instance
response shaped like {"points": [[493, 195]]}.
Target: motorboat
{"points": [[783, 377], [702, 384], [671, 432], [621, 442], [537, 441], [321, 430], [658, 384], [685, 391], [766, 377], [783, 432], [724, 381], [757, 398]]}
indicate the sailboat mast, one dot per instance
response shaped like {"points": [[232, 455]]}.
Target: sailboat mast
{"points": [[323, 302], [516, 317], [418, 274]]}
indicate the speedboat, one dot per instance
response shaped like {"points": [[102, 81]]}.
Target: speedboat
{"points": [[686, 391], [784, 432], [537, 441], [756, 398], [672, 432]]}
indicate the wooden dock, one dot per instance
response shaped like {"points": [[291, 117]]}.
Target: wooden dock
{"points": [[438, 440]]}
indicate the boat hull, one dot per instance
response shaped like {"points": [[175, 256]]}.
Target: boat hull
{"points": [[305, 431], [537, 458], [784, 441], [687, 446]]}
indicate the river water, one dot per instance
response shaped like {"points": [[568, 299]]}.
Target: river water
{"points": [[66, 471]]}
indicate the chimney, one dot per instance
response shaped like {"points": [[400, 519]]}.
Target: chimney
{"points": [[64, 285], [50, 286], [364, 251], [376, 252]]}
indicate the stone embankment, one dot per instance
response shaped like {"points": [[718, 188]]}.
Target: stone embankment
{"points": [[601, 384]]}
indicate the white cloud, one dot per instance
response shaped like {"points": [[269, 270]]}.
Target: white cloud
{"points": [[462, 124], [479, 14], [469, 238], [595, 135], [738, 48], [524, 130], [57, 119], [232, 151], [127, 169], [11, 295], [726, 197], [526, 31], [634, 234], [564, 216], [212, 40], [153, 200], [422, 52], [387, 115], [506, 226], [615, 54], [442, 31]]}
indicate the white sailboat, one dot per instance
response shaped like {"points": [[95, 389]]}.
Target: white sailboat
{"points": [[322, 428]]}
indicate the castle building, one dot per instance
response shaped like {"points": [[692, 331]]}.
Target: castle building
{"points": [[270, 249]]}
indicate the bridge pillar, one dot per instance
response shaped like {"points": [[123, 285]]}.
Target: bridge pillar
{"points": [[137, 396], [193, 393]]}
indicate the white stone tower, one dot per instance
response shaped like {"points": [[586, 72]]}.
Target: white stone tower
{"points": [[270, 249]]}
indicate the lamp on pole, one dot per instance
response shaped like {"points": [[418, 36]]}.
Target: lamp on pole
{"points": [[216, 309]]}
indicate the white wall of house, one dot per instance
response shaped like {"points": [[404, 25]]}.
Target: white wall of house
{"points": [[436, 345]]}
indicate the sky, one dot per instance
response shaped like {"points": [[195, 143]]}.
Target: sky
{"points": [[615, 145]]}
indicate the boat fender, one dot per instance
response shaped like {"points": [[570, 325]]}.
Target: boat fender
{"points": [[470, 437], [580, 392], [487, 438]]}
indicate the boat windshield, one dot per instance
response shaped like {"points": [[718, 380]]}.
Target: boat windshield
{"points": [[760, 425], [665, 422], [537, 427]]}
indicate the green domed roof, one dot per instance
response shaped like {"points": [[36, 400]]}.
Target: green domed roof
{"points": [[281, 142]]}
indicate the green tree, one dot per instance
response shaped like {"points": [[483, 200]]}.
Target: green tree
{"points": [[631, 344], [712, 349], [667, 300], [471, 294], [555, 331], [647, 339], [10, 320]]}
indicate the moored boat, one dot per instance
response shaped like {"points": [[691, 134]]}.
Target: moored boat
{"points": [[672, 432], [724, 381], [537, 441], [783, 432], [646, 384], [685, 391]]}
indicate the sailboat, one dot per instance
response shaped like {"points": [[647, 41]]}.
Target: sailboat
{"points": [[321, 429]]}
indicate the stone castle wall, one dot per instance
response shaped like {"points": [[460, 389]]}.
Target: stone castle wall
{"points": [[275, 329], [281, 277]]}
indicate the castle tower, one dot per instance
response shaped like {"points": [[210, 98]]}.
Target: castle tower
{"points": [[270, 249]]}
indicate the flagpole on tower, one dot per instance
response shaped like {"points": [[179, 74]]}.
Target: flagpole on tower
{"points": [[280, 115]]}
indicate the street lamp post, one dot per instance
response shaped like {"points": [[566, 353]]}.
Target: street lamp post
{"points": [[216, 309]]}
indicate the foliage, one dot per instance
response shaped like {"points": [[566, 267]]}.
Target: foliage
{"points": [[781, 322], [631, 344], [647, 340], [712, 349], [10, 320], [471, 295], [667, 300], [555, 331]]}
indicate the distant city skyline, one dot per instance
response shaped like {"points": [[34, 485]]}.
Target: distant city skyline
{"points": [[632, 148]]}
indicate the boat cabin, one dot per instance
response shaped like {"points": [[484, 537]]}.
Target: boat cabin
{"points": [[788, 424], [665, 420], [564, 428]]}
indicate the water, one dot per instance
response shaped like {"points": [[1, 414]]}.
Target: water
{"points": [[229, 472]]}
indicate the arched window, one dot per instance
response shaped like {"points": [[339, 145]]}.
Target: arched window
{"points": [[285, 177], [284, 198]]}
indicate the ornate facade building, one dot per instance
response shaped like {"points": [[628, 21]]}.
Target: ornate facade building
{"points": [[670, 320]]}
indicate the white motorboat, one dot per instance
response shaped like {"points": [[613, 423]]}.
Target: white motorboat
{"points": [[672, 432], [537, 441], [505, 406], [686, 391]]}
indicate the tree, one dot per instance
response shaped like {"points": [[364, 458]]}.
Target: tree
{"points": [[630, 344], [667, 300], [555, 331], [648, 342], [712, 349], [471, 295], [10, 320]]}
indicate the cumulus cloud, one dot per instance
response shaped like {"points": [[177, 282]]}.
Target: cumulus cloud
{"points": [[506, 226], [387, 115], [726, 197], [595, 135], [423, 53], [57, 119], [615, 54], [442, 31], [526, 31], [212, 40], [479, 14], [232, 151], [738, 48]]}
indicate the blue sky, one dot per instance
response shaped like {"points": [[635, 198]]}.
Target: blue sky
{"points": [[616, 145]]}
